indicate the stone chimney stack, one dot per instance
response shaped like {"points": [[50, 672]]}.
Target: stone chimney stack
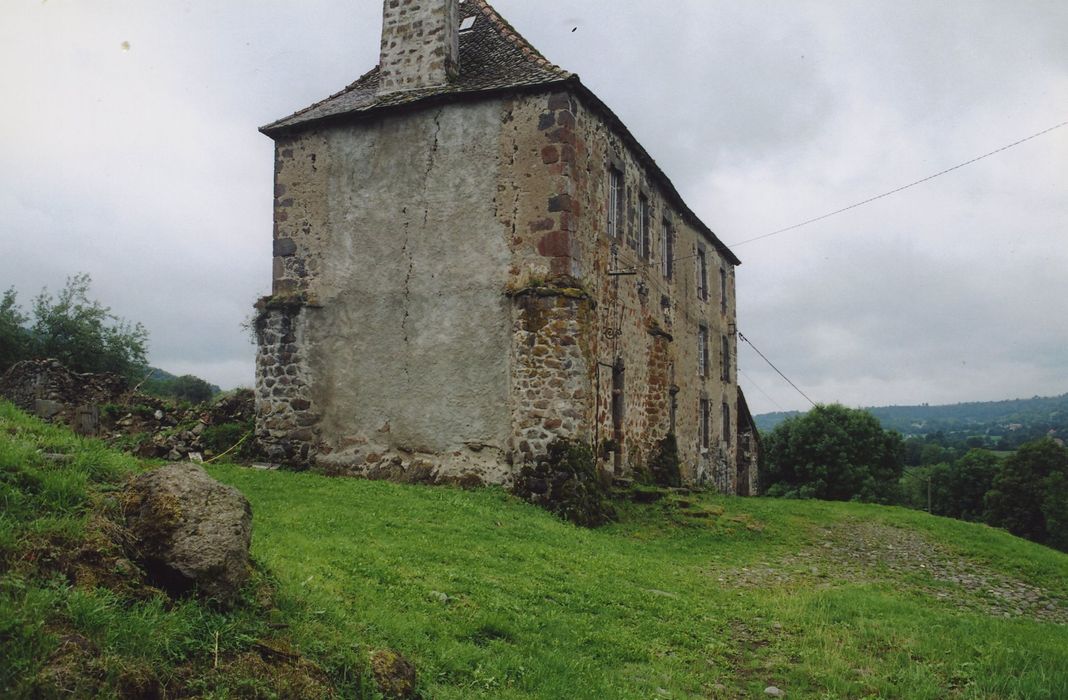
{"points": [[420, 44]]}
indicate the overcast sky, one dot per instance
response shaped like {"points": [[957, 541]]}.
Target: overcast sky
{"points": [[129, 150]]}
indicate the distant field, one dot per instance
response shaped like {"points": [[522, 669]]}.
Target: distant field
{"points": [[691, 597]]}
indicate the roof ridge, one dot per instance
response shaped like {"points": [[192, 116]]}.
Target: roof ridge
{"points": [[509, 32]]}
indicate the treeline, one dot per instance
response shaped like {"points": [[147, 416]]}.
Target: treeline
{"points": [[994, 425], [86, 336], [837, 453]]}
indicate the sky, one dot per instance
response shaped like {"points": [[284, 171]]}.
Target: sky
{"points": [[129, 150]]}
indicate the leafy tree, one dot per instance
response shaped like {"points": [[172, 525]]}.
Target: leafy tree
{"points": [[969, 479], [1029, 495], [70, 327], [834, 453], [14, 338]]}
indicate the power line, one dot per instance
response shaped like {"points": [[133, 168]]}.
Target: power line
{"points": [[750, 343], [903, 187], [757, 387]]}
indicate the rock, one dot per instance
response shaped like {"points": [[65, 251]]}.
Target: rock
{"points": [[394, 675], [774, 692], [191, 532], [158, 415]]}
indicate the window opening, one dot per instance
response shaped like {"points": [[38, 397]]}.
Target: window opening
{"points": [[702, 351], [702, 275], [615, 202], [667, 250], [726, 354], [704, 427], [645, 243]]}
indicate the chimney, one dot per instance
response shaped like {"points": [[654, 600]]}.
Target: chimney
{"points": [[420, 44]]}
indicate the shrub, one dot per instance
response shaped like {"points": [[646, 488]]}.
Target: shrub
{"points": [[565, 482], [664, 462]]}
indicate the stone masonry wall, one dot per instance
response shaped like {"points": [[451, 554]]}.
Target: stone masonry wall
{"points": [[555, 157], [420, 44], [550, 374], [286, 424]]}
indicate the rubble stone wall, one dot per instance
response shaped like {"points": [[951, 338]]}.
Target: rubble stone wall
{"points": [[47, 389]]}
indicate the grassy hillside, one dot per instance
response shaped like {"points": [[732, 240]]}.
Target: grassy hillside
{"points": [[691, 597]]}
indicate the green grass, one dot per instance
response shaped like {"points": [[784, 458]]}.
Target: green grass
{"points": [[691, 597], [492, 598]]}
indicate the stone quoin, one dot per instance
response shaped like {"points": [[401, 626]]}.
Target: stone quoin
{"points": [[473, 256]]}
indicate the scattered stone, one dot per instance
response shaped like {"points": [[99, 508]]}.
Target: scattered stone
{"points": [[774, 692], [191, 532], [394, 675]]}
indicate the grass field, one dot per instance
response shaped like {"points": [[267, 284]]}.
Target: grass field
{"points": [[695, 596]]}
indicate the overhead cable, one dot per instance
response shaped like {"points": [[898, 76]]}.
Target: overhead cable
{"points": [[899, 189], [762, 356]]}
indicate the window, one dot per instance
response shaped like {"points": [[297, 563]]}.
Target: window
{"points": [[615, 202], [667, 250], [726, 423], [723, 290], [702, 275], [645, 236], [726, 359], [705, 428], [702, 351]]}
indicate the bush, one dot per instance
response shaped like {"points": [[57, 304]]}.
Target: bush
{"points": [[565, 482], [664, 462], [834, 453]]}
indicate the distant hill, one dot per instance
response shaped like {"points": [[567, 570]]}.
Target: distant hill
{"points": [[155, 374], [1014, 420]]}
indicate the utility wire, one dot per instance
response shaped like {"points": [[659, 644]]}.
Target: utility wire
{"points": [[903, 187], [750, 343], [757, 387]]}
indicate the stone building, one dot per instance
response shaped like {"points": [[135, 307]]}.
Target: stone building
{"points": [[474, 256]]}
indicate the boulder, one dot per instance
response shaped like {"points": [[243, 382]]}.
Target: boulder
{"points": [[394, 675], [192, 533]]}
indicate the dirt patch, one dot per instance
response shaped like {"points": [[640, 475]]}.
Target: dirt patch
{"points": [[874, 552]]}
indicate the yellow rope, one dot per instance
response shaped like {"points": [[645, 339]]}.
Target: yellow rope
{"points": [[236, 445]]}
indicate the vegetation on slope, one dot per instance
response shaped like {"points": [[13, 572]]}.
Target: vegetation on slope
{"points": [[77, 617], [694, 596]]}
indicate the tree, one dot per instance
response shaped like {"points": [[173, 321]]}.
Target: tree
{"points": [[79, 332], [970, 477], [1029, 495], [834, 453], [14, 338]]}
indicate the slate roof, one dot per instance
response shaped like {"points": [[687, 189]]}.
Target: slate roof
{"points": [[493, 56]]}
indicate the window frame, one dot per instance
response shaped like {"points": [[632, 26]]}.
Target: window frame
{"points": [[723, 289], [705, 428], [645, 233], [667, 249], [616, 196], [702, 351], [726, 352], [701, 268]]}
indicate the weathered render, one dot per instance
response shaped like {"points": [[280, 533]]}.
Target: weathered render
{"points": [[474, 257]]}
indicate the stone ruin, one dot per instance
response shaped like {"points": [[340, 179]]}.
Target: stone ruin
{"points": [[104, 406], [47, 389]]}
